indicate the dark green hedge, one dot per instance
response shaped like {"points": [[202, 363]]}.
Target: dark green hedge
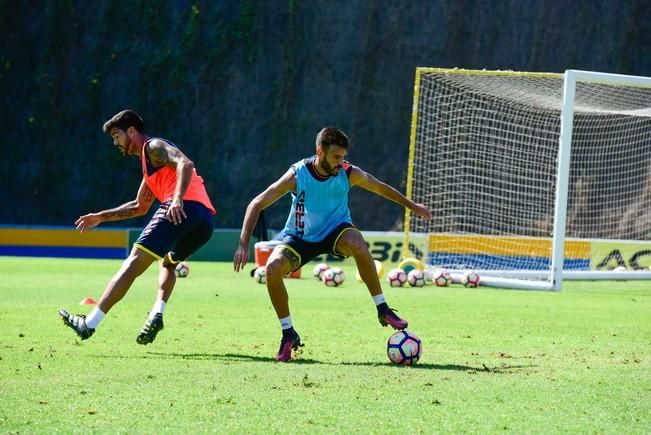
{"points": [[243, 86]]}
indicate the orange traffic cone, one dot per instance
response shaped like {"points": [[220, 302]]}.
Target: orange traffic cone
{"points": [[88, 301]]}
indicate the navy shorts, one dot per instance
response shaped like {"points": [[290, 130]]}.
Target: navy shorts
{"points": [[306, 251], [161, 236]]}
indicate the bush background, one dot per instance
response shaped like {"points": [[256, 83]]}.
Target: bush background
{"points": [[243, 87]]}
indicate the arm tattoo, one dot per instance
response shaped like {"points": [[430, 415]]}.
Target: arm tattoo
{"points": [[163, 154], [124, 211], [120, 214], [148, 196], [159, 155]]}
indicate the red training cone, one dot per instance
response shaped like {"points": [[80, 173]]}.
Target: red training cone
{"points": [[88, 301]]}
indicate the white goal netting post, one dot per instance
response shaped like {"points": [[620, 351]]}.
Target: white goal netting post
{"points": [[522, 171]]}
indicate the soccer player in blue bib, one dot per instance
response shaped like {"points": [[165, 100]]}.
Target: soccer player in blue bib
{"points": [[319, 222]]}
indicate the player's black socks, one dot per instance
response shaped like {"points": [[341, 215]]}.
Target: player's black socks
{"points": [[382, 308], [289, 333]]}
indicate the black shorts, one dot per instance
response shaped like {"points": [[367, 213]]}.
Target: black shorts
{"points": [[161, 236], [306, 251]]}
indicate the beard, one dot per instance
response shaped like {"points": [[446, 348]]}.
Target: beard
{"points": [[329, 169], [127, 148]]}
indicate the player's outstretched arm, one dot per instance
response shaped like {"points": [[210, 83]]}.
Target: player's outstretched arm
{"points": [[137, 207], [286, 183], [368, 182]]}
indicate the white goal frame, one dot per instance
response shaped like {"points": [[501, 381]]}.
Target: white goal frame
{"points": [[543, 279]]}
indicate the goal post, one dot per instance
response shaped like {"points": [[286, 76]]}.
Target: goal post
{"points": [[525, 173]]}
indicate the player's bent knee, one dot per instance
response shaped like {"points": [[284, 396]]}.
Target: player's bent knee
{"points": [[277, 268], [136, 264], [354, 246]]}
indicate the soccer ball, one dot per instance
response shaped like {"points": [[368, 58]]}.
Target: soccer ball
{"points": [[260, 275], [397, 277], [404, 348], [442, 278], [416, 278], [333, 277], [471, 280], [319, 269], [182, 269]]}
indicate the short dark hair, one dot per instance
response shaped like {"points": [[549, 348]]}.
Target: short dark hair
{"points": [[123, 120], [332, 136]]}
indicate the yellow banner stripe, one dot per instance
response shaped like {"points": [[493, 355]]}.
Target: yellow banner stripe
{"points": [[499, 245], [61, 237]]}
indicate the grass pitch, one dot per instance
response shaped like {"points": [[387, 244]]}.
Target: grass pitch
{"points": [[578, 361]]}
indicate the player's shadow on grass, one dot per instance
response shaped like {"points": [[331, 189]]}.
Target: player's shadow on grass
{"points": [[301, 361]]}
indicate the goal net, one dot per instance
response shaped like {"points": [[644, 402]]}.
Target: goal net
{"points": [[525, 173]]}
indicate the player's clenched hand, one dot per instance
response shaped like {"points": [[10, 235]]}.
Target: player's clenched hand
{"points": [[87, 221], [240, 258], [422, 211], [175, 212]]}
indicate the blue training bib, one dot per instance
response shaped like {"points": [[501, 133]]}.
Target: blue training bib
{"points": [[319, 205]]}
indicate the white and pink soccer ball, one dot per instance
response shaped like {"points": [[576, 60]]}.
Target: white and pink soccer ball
{"points": [[260, 275], [442, 278], [416, 278], [396, 277], [182, 269], [404, 348], [333, 277], [318, 270], [470, 280]]}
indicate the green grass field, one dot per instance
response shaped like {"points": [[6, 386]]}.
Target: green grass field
{"points": [[578, 361]]}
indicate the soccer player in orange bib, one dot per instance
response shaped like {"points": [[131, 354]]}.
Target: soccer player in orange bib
{"points": [[319, 222], [180, 226]]}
